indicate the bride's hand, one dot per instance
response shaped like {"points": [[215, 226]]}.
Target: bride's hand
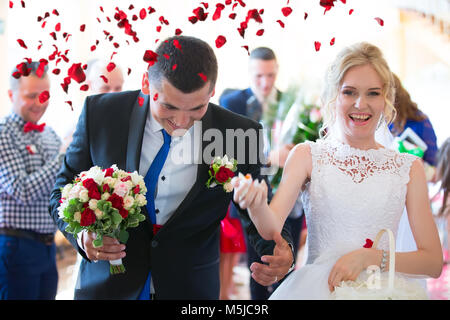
{"points": [[249, 193], [348, 267]]}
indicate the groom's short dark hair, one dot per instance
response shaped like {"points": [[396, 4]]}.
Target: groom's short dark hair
{"points": [[186, 62]]}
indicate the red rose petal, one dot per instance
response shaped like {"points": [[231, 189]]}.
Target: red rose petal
{"points": [[141, 101], [151, 10], [150, 57], [11, 4], [155, 97], [177, 45], [281, 23], [232, 16], [82, 27], [44, 96], [105, 79], [58, 27], [246, 48], [200, 14], [158, 28], [70, 104], [220, 41], [55, 12], [129, 71], [201, 75], [368, 244], [23, 3], [174, 66], [380, 21], [178, 32], [306, 16], [332, 42], [84, 87], [193, 19], [110, 67], [93, 48], [260, 32], [56, 71], [218, 12], [350, 12], [142, 14], [206, 5], [317, 45], [41, 68], [76, 73], [286, 11], [22, 43]]}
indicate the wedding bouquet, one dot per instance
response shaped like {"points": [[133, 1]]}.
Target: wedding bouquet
{"points": [[106, 202]]}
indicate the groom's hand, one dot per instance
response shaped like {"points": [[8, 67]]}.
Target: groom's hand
{"points": [[279, 264], [112, 249]]}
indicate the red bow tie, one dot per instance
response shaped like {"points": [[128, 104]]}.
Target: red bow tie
{"points": [[29, 126]]}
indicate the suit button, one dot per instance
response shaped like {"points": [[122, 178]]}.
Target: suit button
{"points": [[154, 244]]}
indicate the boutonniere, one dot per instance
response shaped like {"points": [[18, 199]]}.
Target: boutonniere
{"points": [[31, 149], [221, 171]]}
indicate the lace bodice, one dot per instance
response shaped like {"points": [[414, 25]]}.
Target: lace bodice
{"points": [[352, 194]]}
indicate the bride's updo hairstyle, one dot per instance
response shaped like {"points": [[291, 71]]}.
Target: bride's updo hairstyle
{"points": [[356, 55]]}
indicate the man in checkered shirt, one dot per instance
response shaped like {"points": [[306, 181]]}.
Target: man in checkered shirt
{"points": [[30, 157]]}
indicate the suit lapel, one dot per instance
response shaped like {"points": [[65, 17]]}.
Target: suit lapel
{"points": [[136, 133]]}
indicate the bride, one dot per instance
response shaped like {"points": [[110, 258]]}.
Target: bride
{"points": [[352, 186]]}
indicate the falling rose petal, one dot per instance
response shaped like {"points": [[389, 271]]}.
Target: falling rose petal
{"points": [[41, 68], [286, 11], [23, 3], [76, 73], [253, 14], [350, 12], [332, 42], [111, 66], [261, 11], [281, 23], [134, 18], [232, 16], [177, 44], [129, 71], [241, 3], [142, 14], [105, 79], [206, 5], [44, 96], [306, 16], [155, 97], [158, 28], [40, 45], [56, 71], [246, 48], [178, 32], [58, 27], [260, 32], [70, 104], [317, 45], [85, 66], [163, 20], [344, 1], [220, 41], [193, 19], [53, 34], [201, 75], [174, 66], [200, 13], [141, 101], [380, 21], [43, 24], [82, 27], [84, 87], [11, 4], [218, 12], [228, 2], [93, 47], [151, 10], [22, 43], [166, 56], [150, 57], [55, 12], [16, 74]]}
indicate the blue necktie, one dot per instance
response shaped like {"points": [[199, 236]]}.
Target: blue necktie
{"points": [[151, 180]]}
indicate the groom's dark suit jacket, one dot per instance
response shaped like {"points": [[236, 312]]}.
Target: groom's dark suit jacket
{"points": [[183, 256]]}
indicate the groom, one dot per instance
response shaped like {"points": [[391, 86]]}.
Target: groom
{"points": [[174, 253]]}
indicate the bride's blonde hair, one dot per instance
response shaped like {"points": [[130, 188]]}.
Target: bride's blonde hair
{"points": [[356, 55]]}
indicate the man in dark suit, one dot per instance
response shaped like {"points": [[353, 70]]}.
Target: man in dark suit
{"points": [[258, 102], [181, 260]]}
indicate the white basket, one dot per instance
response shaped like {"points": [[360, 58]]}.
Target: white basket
{"points": [[381, 286]]}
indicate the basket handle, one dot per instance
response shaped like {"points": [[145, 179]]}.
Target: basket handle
{"points": [[391, 254]]}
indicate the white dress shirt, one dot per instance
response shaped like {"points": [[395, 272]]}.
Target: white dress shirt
{"points": [[177, 176]]}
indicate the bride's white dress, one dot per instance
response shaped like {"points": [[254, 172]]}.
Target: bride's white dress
{"points": [[351, 196]]}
